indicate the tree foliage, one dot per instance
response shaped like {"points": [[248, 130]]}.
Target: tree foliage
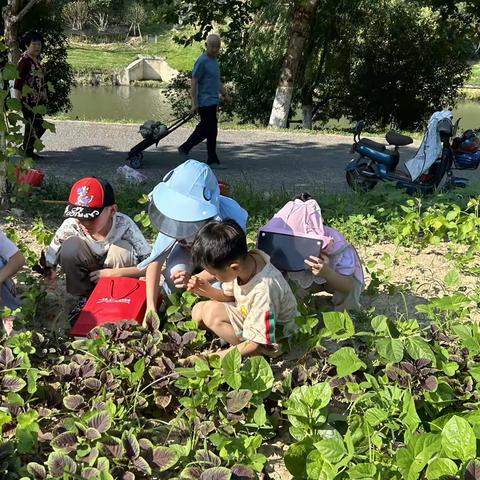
{"points": [[388, 61]]}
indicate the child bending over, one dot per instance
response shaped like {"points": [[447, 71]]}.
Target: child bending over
{"points": [[255, 309]]}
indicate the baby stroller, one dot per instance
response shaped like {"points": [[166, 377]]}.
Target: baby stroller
{"points": [[152, 132]]}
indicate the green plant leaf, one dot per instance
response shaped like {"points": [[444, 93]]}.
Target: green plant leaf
{"points": [[420, 450], [10, 72], [231, 365], [338, 325], [257, 376], [15, 400], [295, 458], [362, 471], [318, 468], [238, 400], [440, 468], [418, 349], [346, 361], [391, 349], [332, 449], [59, 463], [139, 370], [374, 416], [32, 376], [452, 278], [260, 416], [458, 439]]}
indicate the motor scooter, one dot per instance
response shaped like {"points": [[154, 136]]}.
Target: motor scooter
{"points": [[379, 162]]}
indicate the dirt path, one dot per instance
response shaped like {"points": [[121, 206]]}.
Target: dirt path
{"points": [[265, 159]]}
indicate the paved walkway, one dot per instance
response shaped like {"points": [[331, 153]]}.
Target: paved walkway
{"points": [[267, 160]]}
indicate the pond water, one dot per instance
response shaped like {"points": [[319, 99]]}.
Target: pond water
{"points": [[138, 104]]}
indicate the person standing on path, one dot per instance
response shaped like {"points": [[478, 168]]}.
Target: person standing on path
{"points": [[31, 75], [206, 87]]}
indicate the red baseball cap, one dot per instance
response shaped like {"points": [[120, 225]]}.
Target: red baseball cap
{"points": [[88, 197]]}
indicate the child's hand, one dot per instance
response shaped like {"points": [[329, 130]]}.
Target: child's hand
{"points": [[96, 275], [319, 265], [199, 286], [51, 278], [180, 279]]}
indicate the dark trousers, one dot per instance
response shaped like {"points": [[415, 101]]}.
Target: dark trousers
{"points": [[33, 129], [206, 129]]}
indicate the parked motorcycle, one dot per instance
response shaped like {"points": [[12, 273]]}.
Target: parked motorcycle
{"points": [[428, 170]]}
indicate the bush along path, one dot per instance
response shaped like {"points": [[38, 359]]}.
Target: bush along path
{"points": [[366, 396]]}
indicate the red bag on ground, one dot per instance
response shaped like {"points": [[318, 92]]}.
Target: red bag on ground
{"points": [[112, 300]]}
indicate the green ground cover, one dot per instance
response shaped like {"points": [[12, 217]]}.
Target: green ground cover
{"points": [[374, 395]]}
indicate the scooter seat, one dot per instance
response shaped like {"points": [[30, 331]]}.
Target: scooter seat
{"points": [[372, 144], [397, 139]]}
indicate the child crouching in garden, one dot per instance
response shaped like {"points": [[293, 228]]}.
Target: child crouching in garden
{"points": [[11, 261], [336, 269], [256, 309]]}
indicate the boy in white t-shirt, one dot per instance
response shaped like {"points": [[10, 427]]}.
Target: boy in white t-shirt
{"points": [[11, 261], [256, 309], [95, 241]]}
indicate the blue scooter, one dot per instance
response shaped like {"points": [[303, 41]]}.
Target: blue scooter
{"points": [[377, 161]]}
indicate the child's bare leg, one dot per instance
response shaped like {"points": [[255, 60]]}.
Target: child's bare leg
{"points": [[197, 313], [213, 315]]}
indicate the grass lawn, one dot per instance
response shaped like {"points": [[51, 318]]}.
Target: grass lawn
{"points": [[115, 56], [475, 77]]}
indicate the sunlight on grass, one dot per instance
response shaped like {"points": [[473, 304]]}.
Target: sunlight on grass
{"points": [[475, 77], [116, 56]]}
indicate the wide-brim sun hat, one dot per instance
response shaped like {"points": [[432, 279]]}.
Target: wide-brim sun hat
{"points": [[187, 197]]}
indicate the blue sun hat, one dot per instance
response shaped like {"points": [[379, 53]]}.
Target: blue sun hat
{"points": [[187, 198]]}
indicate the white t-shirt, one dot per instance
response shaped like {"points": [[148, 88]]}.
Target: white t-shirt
{"points": [[7, 248], [123, 228]]}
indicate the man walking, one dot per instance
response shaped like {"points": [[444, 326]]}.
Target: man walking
{"points": [[31, 74], [206, 88]]}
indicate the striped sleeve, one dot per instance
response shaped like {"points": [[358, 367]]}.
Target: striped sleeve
{"points": [[260, 323]]}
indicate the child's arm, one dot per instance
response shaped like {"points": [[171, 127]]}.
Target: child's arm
{"points": [[14, 264], [152, 286], [335, 281], [132, 272]]}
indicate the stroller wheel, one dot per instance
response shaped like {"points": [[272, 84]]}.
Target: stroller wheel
{"points": [[136, 160]]}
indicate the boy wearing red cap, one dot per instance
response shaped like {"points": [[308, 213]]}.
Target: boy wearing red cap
{"points": [[95, 241]]}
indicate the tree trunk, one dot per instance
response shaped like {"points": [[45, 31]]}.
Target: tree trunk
{"points": [[307, 108], [303, 18], [10, 13]]}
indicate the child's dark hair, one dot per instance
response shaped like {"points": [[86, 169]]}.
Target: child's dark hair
{"points": [[218, 244], [304, 197], [31, 37]]}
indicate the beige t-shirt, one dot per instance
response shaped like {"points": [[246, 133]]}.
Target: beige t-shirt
{"points": [[265, 308]]}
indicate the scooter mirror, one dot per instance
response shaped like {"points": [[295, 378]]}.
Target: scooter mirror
{"points": [[359, 127]]}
